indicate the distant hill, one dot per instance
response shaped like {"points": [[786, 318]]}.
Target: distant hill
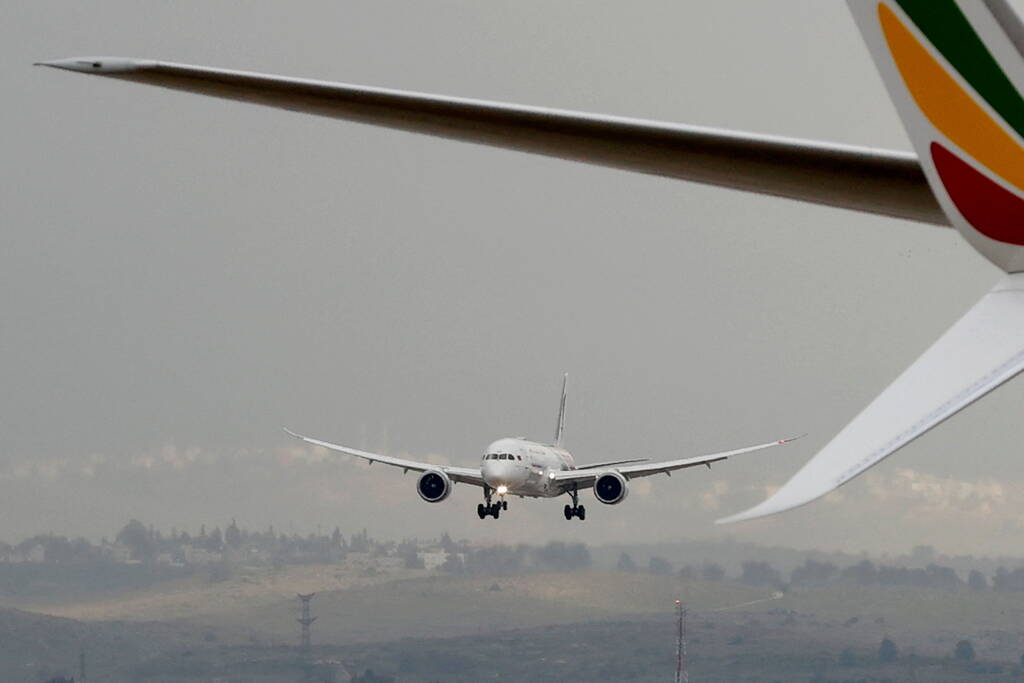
{"points": [[34, 647]]}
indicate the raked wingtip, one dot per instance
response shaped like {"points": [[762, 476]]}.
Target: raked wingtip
{"points": [[98, 65]]}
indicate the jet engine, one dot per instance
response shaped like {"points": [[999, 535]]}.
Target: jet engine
{"points": [[611, 488], [434, 486]]}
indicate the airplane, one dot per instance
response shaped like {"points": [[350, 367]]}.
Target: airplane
{"points": [[528, 469], [954, 70]]}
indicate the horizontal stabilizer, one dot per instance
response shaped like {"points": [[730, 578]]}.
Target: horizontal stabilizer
{"points": [[981, 351]]}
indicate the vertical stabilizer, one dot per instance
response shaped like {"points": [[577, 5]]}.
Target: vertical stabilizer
{"points": [[560, 429], [955, 72]]}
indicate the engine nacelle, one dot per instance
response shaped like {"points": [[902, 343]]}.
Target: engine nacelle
{"points": [[611, 488], [434, 486]]}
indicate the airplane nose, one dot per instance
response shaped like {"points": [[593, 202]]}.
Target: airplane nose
{"points": [[500, 473], [492, 473]]}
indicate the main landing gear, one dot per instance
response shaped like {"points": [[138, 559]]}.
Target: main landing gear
{"points": [[575, 510], [490, 509]]}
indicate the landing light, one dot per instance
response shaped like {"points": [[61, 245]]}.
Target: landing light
{"points": [[502, 490]]}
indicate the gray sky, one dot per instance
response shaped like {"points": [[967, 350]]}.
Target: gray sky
{"points": [[180, 277]]}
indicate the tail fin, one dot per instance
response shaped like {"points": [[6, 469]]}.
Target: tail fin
{"points": [[955, 71], [560, 429]]}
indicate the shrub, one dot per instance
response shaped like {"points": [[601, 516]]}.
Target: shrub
{"points": [[887, 651]]}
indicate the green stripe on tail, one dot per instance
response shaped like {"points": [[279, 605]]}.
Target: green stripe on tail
{"points": [[947, 28]]}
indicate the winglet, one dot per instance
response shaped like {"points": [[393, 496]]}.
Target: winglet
{"points": [[981, 351], [291, 433], [775, 504]]}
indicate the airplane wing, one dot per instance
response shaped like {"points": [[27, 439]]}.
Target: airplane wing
{"points": [[596, 465], [871, 180], [466, 475], [981, 351], [585, 477]]}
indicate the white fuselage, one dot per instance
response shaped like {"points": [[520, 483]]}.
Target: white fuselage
{"points": [[522, 468]]}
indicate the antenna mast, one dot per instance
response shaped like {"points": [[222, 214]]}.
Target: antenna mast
{"points": [[682, 675], [306, 620]]}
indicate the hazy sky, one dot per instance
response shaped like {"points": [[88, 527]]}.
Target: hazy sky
{"points": [[180, 277]]}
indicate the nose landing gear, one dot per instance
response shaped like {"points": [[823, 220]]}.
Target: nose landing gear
{"points": [[490, 509]]}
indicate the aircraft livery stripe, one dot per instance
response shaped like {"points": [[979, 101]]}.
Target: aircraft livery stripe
{"points": [[990, 208], [949, 31], [949, 108]]}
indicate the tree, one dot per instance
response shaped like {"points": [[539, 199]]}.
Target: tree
{"points": [[977, 581], [215, 541], [370, 677], [453, 564], [360, 542], [760, 574], [232, 535], [964, 651], [447, 544], [136, 537], [562, 556], [410, 554], [887, 651], [659, 566], [1008, 581], [813, 573], [712, 572], [626, 563], [863, 573]]}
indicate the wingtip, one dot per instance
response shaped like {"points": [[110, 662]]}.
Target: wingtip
{"points": [[98, 65], [291, 433], [741, 516], [782, 500]]}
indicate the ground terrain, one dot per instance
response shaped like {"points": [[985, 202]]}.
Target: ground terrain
{"points": [[417, 625]]}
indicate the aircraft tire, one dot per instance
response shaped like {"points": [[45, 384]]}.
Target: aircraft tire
{"points": [[568, 512], [481, 512], [581, 512]]}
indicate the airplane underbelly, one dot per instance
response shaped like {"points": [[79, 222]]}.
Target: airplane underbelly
{"points": [[534, 485]]}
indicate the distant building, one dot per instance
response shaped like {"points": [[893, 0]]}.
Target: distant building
{"points": [[433, 558], [119, 553], [33, 555], [201, 556]]}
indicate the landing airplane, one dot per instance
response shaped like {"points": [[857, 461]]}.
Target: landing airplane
{"points": [[528, 469], [955, 72]]}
